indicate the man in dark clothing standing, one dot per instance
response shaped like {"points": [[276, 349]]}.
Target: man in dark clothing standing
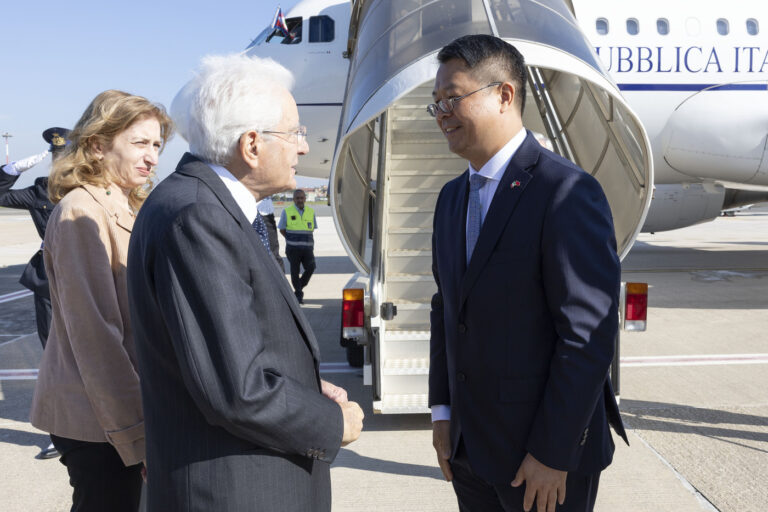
{"points": [[35, 200]]}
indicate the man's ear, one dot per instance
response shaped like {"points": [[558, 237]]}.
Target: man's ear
{"points": [[249, 147], [508, 93]]}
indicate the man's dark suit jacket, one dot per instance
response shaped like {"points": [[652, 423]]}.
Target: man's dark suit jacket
{"points": [[523, 336], [35, 200], [234, 415]]}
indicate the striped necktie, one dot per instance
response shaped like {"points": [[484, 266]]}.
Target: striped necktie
{"points": [[474, 212], [261, 229]]}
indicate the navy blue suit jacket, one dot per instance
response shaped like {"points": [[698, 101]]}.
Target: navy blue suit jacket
{"points": [[523, 335]]}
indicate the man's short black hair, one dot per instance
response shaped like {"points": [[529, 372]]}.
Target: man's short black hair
{"points": [[494, 59]]}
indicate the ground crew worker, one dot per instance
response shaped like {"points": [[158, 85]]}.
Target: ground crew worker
{"points": [[297, 223]]}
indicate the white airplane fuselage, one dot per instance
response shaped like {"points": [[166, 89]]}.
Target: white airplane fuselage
{"points": [[696, 75]]}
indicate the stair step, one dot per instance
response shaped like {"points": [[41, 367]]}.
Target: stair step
{"points": [[408, 231], [400, 253], [419, 172], [436, 156], [410, 191], [406, 335], [402, 404], [407, 278], [411, 305], [415, 366], [410, 209]]}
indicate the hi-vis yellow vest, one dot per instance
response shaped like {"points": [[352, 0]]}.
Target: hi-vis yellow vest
{"points": [[298, 228]]}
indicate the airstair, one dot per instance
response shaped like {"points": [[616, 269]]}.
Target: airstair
{"points": [[419, 165]]}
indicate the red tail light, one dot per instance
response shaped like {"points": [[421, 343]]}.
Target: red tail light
{"points": [[636, 306], [352, 308]]}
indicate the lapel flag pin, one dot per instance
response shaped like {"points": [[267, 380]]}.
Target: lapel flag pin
{"points": [[515, 184]]}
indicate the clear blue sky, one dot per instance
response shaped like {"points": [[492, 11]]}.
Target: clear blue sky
{"points": [[56, 56]]}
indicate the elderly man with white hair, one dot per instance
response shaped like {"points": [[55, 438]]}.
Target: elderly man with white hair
{"points": [[236, 415]]}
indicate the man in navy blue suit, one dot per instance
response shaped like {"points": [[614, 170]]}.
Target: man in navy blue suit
{"points": [[525, 316]]}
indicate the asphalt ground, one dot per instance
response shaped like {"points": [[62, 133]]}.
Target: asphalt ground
{"points": [[694, 386]]}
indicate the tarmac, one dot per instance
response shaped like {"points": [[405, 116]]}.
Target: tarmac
{"points": [[694, 386]]}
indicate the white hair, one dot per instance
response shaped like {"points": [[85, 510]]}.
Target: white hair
{"points": [[229, 95]]}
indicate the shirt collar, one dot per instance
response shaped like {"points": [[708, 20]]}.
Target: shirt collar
{"points": [[240, 193], [495, 167]]}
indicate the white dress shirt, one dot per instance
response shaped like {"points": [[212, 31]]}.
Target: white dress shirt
{"points": [[243, 197], [493, 170]]}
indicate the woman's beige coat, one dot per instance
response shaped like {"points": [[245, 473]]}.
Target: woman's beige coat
{"points": [[88, 385]]}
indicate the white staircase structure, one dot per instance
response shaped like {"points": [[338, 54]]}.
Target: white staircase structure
{"points": [[419, 165]]}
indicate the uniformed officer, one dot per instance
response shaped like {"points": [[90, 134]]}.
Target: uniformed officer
{"points": [[35, 200], [297, 223]]}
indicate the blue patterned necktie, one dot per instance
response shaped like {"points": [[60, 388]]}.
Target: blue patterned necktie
{"points": [[474, 212], [261, 229]]}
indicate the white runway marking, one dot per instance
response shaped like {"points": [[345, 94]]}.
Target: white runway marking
{"points": [[19, 294], [31, 373], [694, 360], [17, 338], [28, 374]]}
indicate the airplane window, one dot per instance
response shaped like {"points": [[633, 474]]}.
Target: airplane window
{"points": [[662, 25], [294, 33], [752, 27], [321, 29], [601, 25], [633, 27], [722, 27]]}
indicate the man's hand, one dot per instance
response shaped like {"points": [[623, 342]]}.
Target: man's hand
{"points": [[144, 471], [335, 393], [22, 165], [353, 422], [542, 483], [441, 440]]}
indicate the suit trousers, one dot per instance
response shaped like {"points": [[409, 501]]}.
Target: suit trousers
{"points": [[43, 317], [99, 479], [476, 495], [297, 257]]}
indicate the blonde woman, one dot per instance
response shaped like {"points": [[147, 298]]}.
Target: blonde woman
{"points": [[87, 393]]}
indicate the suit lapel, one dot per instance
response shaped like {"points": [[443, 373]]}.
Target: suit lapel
{"points": [[191, 166], [504, 202]]}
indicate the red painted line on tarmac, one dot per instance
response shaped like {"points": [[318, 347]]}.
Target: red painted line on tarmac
{"points": [[19, 294]]}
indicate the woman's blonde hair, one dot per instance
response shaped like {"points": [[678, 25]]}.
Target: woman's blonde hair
{"points": [[109, 114]]}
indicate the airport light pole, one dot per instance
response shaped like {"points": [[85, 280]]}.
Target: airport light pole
{"points": [[6, 136]]}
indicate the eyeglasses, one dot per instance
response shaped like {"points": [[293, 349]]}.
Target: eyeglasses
{"points": [[299, 135], [446, 106]]}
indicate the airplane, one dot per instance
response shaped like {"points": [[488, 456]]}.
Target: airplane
{"points": [[695, 74]]}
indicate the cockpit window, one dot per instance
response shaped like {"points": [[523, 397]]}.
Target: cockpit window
{"points": [[321, 29], [662, 26], [294, 33], [633, 27], [722, 27], [752, 27], [601, 25]]}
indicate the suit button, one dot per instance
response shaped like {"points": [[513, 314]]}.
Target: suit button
{"points": [[461, 377], [462, 328]]}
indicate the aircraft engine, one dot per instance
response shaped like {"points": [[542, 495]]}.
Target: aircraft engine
{"points": [[391, 158], [736, 146]]}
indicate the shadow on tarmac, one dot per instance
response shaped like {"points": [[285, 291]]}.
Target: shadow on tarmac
{"points": [[22, 438], [349, 459], [666, 417]]}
